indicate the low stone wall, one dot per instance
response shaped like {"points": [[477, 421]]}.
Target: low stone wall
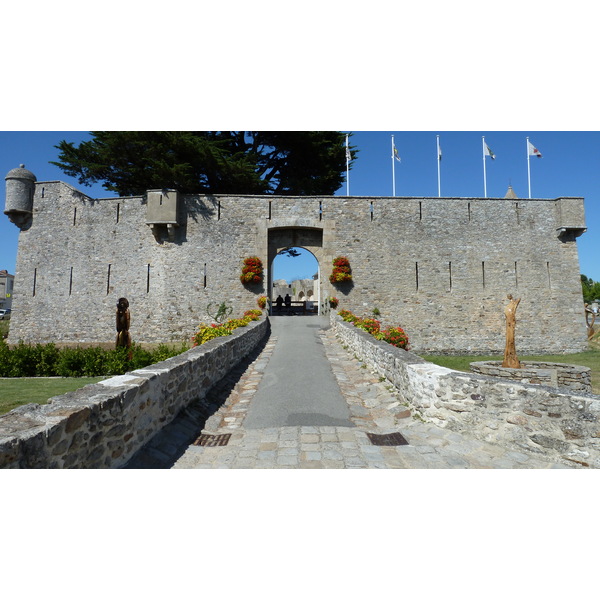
{"points": [[562, 425], [104, 424], [558, 375]]}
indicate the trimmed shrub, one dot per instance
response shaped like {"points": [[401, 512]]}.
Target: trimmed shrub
{"points": [[46, 360]]}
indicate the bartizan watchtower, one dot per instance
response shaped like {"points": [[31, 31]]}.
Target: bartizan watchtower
{"points": [[20, 189]]}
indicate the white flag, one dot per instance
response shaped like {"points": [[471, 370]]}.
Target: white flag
{"points": [[533, 151], [488, 152]]}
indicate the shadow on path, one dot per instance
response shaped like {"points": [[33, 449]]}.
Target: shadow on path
{"points": [[169, 444]]}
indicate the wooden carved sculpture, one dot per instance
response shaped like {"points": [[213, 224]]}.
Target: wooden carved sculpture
{"points": [[510, 354], [123, 318], [590, 326]]}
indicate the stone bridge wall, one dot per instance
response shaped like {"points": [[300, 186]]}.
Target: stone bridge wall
{"points": [[557, 375], [561, 425], [104, 424]]}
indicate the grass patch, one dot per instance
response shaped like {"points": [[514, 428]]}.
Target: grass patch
{"points": [[15, 392], [590, 358]]}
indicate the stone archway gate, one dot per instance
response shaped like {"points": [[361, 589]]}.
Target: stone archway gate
{"points": [[282, 236]]}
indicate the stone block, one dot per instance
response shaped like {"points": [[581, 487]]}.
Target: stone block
{"points": [[517, 420]]}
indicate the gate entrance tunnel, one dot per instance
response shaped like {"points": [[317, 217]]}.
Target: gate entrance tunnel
{"points": [[294, 276]]}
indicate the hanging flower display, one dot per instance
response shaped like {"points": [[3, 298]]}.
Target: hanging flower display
{"points": [[341, 270], [252, 271]]}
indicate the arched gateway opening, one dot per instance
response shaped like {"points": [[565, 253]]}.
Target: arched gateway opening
{"points": [[304, 241]]}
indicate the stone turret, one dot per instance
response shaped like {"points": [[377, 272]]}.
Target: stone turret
{"points": [[20, 187]]}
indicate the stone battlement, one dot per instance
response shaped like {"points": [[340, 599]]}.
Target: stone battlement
{"points": [[439, 267]]}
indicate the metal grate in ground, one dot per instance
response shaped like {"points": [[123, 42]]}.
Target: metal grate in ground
{"points": [[387, 439], [210, 441]]}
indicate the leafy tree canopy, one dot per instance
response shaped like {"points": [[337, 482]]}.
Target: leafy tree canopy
{"points": [[217, 162], [590, 289]]}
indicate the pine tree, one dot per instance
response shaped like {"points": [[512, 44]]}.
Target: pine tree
{"points": [[209, 162]]}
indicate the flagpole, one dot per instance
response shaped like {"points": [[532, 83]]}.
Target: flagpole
{"points": [[528, 170], [393, 170], [347, 167], [484, 177], [439, 160]]}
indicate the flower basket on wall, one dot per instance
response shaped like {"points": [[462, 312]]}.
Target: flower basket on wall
{"points": [[342, 271], [252, 271]]}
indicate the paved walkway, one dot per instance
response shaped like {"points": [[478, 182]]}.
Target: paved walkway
{"points": [[298, 388], [303, 401]]}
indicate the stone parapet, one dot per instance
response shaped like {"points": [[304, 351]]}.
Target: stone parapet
{"points": [[562, 425], [558, 375], [104, 424]]}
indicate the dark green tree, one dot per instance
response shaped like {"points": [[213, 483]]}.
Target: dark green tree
{"points": [[590, 289], [216, 162]]}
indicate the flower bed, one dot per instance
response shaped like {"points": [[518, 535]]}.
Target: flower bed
{"points": [[208, 332], [395, 336]]}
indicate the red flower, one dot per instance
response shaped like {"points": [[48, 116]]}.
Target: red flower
{"points": [[252, 271], [341, 270]]}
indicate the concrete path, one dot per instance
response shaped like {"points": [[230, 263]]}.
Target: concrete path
{"points": [[303, 401], [299, 387]]}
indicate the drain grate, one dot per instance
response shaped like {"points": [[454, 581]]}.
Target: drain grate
{"points": [[387, 439], [212, 440]]}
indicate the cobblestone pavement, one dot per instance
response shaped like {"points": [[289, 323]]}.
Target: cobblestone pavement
{"points": [[374, 406]]}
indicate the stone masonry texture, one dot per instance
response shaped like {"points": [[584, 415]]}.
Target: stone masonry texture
{"points": [[559, 424], [441, 268], [104, 424]]}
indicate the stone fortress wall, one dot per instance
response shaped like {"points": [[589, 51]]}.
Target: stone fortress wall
{"points": [[439, 267], [299, 290]]}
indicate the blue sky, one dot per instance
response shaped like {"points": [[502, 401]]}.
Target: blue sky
{"points": [[570, 166]]}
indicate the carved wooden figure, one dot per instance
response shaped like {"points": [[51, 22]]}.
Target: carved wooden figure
{"points": [[510, 353], [123, 319]]}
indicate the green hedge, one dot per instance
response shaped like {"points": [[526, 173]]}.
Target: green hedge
{"points": [[46, 360]]}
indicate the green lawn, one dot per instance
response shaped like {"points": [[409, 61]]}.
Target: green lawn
{"points": [[23, 390], [590, 359]]}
